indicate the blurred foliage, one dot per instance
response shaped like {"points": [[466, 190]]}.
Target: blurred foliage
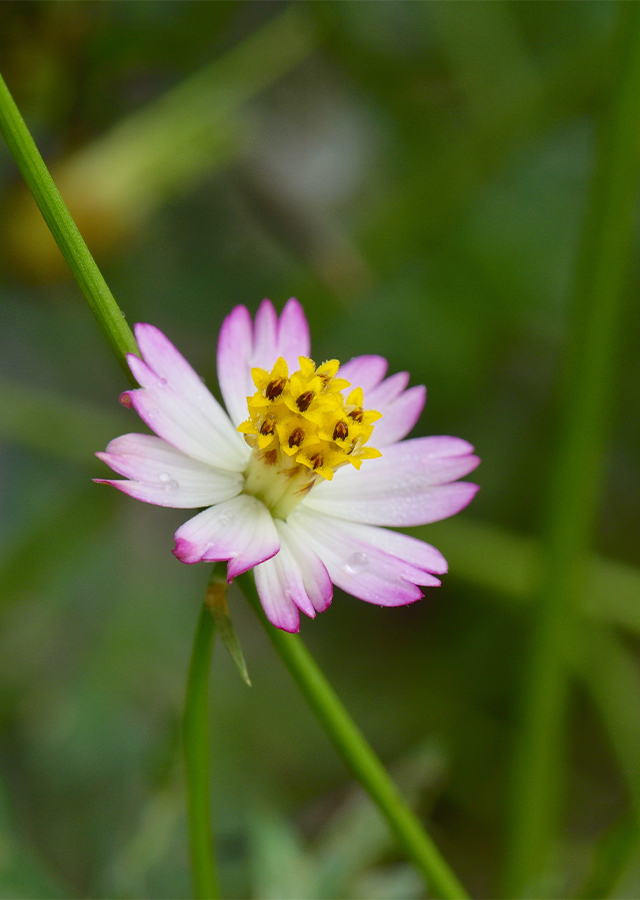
{"points": [[416, 174]]}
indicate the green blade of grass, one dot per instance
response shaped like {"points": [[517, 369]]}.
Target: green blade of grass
{"points": [[576, 471]]}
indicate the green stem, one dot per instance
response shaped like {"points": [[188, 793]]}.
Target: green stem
{"points": [[83, 267], [576, 474], [357, 754], [195, 732]]}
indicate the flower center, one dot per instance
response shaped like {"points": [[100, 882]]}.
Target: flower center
{"points": [[301, 428]]}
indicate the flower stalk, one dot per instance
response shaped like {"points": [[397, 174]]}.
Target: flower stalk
{"points": [[356, 753], [195, 736]]}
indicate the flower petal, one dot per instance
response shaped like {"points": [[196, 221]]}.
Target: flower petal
{"points": [[315, 578], [380, 396], [234, 361], [277, 587], [295, 579], [413, 551], [407, 485], [358, 566], [293, 334], [241, 346], [398, 416], [163, 475], [240, 531], [265, 330], [364, 371], [178, 407]]}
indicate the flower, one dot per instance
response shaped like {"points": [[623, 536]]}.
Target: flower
{"points": [[289, 483]]}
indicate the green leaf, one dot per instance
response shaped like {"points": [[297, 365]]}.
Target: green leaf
{"points": [[216, 603]]}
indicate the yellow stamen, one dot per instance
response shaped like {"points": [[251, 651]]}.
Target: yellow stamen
{"points": [[301, 429]]}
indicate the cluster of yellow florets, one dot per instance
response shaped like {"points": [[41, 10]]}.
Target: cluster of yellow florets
{"points": [[304, 419]]}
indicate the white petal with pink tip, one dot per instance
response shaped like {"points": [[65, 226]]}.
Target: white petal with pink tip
{"points": [[240, 531], [292, 581], [364, 371], [399, 415], [243, 345], [408, 485], [163, 475], [413, 551], [179, 408], [359, 567], [235, 350]]}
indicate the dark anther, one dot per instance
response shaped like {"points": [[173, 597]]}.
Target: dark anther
{"points": [[275, 388], [268, 426], [296, 437], [317, 461], [357, 415], [341, 431], [304, 401]]}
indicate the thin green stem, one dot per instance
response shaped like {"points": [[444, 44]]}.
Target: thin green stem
{"points": [[357, 754], [576, 474], [83, 267], [195, 733]]}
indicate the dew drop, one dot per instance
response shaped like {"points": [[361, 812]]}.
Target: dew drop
{"points": [[356, 563], [162, 382], [170, 484], [226, 517]]}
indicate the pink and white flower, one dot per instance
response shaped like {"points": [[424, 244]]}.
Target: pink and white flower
{"points": [[278, 495]]}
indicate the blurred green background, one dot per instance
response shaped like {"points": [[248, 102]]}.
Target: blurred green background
{"points": [[416, 174]]}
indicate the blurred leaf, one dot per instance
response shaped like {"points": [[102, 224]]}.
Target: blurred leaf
{"points": [[216, 603], [281, 869], [612, 674], [114, 184], [611, 859], [127, 875], [355, 837], [399, 882]]}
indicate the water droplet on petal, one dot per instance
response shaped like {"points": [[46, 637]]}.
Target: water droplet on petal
{"points": [[162, 382], [164, 477], [226, 516], [356, 563], [171, 486]]}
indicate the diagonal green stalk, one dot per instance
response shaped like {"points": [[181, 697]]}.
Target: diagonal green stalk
{"points": [[195, 736], [83, 267], [576, 474], [357, 754]]}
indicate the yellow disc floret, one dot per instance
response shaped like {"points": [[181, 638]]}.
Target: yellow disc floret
{"points": [[302, 428]]}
